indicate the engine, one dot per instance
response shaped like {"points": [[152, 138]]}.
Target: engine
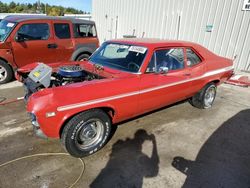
{"points": [[67, 75], [44, 77]]}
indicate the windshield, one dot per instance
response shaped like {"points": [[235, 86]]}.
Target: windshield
{"points": [[5, 29], [123, 57]]}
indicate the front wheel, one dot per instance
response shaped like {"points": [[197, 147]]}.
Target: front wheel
{"points": [[86, 133], [205, 98], [6, 72]]}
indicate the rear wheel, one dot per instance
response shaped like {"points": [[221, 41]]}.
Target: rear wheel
{"points": [[6, 72], [205, 98], [82, 57], [86, 133]]}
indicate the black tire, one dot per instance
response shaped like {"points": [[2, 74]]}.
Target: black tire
{"points": [[6, 72], [80, 127], [81, 57], [200, 100]]}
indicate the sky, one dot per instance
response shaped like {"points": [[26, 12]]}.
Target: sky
{"points": [[84, 5]]}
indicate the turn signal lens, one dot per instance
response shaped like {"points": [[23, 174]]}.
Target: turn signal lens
{"points": [[50, 114]]}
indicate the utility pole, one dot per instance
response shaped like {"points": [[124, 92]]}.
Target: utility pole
{"points": [[38, 8]]}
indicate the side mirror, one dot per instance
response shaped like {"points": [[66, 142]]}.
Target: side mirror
{"points": [[163, 70], [19, 38]]}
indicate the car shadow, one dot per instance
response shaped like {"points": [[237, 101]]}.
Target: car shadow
{"points": [[128, 165], [115, 126], [223, 161]]}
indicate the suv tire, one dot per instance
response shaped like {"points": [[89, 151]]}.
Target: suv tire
{"points": [[6, 72], [81, 57]]}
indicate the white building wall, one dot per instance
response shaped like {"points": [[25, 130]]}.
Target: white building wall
{"points": [[180, 19]]}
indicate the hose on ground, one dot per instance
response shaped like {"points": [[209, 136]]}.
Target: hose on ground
{"points": [[4, 101], [48, 154]]}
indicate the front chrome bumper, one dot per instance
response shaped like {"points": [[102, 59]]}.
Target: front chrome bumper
{"points": [[36, 127]]}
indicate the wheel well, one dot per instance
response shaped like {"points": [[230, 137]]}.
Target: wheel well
{"points": [[5, 61], [216, 82], [108, 110], [86, 52]]}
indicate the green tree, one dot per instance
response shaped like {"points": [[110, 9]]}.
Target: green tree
{"points": [[13, 7], [54, 11], [3, 7]]}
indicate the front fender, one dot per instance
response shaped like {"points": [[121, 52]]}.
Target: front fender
{"points": [[65, 117]]}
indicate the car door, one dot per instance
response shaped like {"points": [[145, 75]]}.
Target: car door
{"points": [[160, 87], [30, 43], [196, 67], [63, 39]]}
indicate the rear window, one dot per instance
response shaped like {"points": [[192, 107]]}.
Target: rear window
{"points": [[62, 30], [192, 58], [34, 31], [85, 30]]}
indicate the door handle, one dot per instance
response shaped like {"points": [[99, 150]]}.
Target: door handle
{"points": [[187, 74], [52, 45]]}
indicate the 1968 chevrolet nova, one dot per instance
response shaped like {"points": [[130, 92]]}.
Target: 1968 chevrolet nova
{"points": [[79, 101]]}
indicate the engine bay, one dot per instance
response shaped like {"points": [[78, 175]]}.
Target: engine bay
{"points": [[43, 76]]}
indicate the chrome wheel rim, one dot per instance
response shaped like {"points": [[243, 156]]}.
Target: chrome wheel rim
{"points": [[209, 96], [89, 134], [3, 73]]}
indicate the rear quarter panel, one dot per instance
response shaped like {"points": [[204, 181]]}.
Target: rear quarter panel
{"points": [[215, 68], [222, 66]]}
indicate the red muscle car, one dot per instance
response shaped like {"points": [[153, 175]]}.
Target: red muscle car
{"points": [[79, 101]]}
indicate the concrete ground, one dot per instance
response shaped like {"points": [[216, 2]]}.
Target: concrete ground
{"points": [[178, 146]]}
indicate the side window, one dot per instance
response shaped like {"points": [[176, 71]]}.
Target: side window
{"points": [[85, 30], [62, 30], [35, 31], [192, 58], [172, 58]]}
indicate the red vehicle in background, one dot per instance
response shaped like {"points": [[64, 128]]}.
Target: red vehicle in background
{"points": [[122, 79], [29, 39]]}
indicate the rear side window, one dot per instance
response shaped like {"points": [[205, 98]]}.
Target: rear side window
{"points": [[62, 30], [85, 30], [192, 58], [35, 31]]}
